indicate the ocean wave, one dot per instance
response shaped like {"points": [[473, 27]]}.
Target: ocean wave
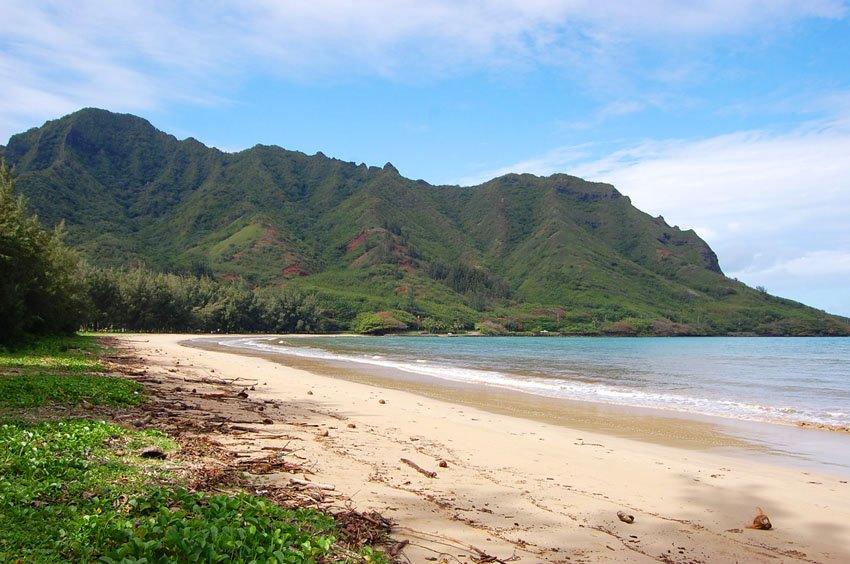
{"points": [[560, 388]]}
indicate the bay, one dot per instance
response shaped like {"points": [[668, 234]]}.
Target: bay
{"points": [[777, 380]]}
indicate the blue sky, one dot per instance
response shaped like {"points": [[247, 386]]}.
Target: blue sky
{"points": [[731, 117]]}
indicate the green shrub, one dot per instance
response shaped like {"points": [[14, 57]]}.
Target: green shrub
{"points": [[195, 527]]}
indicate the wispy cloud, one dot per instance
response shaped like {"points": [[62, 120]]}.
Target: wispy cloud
{"points": [[58, 56], [814, 264], [737, 179]]}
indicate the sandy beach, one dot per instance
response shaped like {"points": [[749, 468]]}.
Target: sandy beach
{"points": [[526, 489]]}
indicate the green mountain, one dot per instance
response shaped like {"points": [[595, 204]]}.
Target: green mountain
{"points": [[518, 252]]}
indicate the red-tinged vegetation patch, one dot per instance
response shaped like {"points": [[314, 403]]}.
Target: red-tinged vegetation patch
{"points": [[405, 263], [294, 270], [387, 317], [268, 238], [358, 241], [551, 312]]}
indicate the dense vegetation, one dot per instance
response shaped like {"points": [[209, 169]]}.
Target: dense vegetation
{"points": [[46, 289], [76, 490], [40, 286], [251, 234], [143, 300]]}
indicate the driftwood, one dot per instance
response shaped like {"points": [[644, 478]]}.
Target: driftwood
{"points": [[397, 547], [243, 421], [761, 521], [146, 379], [365, 528], [268, 465], [310, 484], [143, 421], [229, 381], [419, 468]]}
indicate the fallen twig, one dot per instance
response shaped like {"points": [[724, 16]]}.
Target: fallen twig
{"points": [[419, 469], [310, 484], [397, 547], [230, 381]]}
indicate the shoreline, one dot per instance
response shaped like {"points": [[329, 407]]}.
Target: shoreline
{"points": [[344, 360], [807, 446], [542, 492]]}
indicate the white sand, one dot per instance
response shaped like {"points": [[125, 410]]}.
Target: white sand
{"points": [[542, 492]]}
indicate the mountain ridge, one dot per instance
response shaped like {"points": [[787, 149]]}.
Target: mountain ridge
{"points": [[370, 239]]}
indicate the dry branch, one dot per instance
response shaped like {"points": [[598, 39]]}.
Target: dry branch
{"points": [[310, 484], [419, 469]]}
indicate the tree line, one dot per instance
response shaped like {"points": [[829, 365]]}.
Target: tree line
{"points": [[41, 287], [143, 300], [45, 288]]}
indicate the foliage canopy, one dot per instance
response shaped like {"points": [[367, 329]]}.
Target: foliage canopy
{"points": [[40, 290]]}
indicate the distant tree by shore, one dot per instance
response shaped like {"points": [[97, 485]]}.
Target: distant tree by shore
{"points": [[141, 299], [41, 290]]}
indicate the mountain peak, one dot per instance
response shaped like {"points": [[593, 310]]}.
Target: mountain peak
{"points": [[521, 245]]}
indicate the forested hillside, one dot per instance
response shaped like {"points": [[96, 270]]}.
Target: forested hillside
{"points": [[379, 251]]}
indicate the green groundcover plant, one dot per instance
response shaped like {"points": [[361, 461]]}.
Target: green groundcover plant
{"points": [[78, 489]]}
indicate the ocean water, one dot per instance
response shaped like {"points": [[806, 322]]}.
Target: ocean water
{"points": [[779, 380]]}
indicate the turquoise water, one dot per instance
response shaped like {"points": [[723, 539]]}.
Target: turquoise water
{"points": [[785, 380]]}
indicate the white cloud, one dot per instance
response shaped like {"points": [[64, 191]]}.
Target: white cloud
{"points": [[818, 278], [141, 55], [767, 182], [813, 265]]}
